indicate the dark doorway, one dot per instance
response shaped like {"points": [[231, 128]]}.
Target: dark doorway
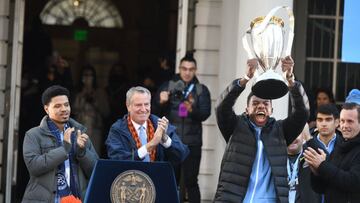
{"points": [[149, 30]]}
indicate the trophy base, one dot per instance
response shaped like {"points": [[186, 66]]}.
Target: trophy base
{"points": [[270, 89]]}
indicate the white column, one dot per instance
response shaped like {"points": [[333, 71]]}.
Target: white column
{"points": [[11, 36], [206, 46], [4, 38], [182, 30]]}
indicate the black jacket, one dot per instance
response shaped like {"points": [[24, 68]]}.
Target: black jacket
{"points": [[304, 192], [189, 129], [241, 148], [339, 176]]}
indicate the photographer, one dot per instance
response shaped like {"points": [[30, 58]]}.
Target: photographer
{"points": [[186, 103]]}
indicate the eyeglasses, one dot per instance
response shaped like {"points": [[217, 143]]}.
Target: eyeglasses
{"points": [[191, 69]]}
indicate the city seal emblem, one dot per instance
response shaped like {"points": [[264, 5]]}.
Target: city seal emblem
{"points": [[132, 186]]}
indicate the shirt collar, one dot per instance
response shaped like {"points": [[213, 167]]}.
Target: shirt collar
{"points": [[137, 126], [330, 142]]}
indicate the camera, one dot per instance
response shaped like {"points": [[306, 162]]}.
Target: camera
{"points": [[178, 95], [177, 89]]}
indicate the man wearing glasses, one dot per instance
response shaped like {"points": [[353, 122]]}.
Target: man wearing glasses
{"points": [[186, 102]]}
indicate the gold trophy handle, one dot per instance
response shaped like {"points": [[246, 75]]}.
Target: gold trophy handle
{"points": [[268, 17]]}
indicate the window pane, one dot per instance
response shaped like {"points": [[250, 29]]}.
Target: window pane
{"points": [[320, 33], [341, 23], [348, 77], [324, 7], [98, 13], [318, 74]]}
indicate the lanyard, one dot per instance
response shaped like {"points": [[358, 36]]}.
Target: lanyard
{"points": [[293, 172], [189, 89]]}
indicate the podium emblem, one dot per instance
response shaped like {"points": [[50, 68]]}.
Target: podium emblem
{"points": [[132, 186]]}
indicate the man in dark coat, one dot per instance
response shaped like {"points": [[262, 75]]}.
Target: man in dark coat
{"points": [[187, 103], [338, 176], [142, 136], [253, 168]]}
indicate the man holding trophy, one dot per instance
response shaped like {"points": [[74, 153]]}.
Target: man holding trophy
{"points": [[253, 168]]}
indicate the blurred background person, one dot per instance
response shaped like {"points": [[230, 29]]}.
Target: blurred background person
{"points": [[322, 96], [118, 85], [91, 107], [152, 77]]}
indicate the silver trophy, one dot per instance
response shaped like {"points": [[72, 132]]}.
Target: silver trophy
{"points": [[267, 37]]}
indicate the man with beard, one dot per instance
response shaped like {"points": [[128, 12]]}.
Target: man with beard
{"points": [[58, 154], [187, 103], [253, 168]]}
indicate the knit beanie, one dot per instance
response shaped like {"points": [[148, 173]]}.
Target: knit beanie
{"points": [[353, 97]]}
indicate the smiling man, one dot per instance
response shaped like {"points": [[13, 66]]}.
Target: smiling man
{"points": [[58, 154], [338, 176], [253, 168], [141, 136]]}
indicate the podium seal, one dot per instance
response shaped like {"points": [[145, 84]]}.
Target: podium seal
{"points": [[132, 186]]}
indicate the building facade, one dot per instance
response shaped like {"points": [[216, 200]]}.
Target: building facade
{"points": [[214, 30]]}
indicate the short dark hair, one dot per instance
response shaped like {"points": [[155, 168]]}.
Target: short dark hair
{"points": [[351, 106], [93, 72], [53, 91], [328, 109], [189, 56], [326, 91], [249, 98]]}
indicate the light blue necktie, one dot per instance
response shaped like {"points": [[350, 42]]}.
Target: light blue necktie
{"points": [[143, 140]]}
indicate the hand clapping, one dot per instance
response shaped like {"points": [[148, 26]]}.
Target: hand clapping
{"points": [[81, 139]]}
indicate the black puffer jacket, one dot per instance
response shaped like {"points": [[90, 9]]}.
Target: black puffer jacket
{"points": [[339, 176], [189, 129], [241, 148]]}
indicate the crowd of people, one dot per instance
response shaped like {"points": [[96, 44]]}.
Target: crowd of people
{"points": [[296, 159]]}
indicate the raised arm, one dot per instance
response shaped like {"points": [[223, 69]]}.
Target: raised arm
{"points": [[225, 115]]}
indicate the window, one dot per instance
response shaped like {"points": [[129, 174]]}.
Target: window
{"points": [[98, 13], [323, 50]]}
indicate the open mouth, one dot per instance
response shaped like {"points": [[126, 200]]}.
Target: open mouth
{"points": [[261, 114], [260, 117]]}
